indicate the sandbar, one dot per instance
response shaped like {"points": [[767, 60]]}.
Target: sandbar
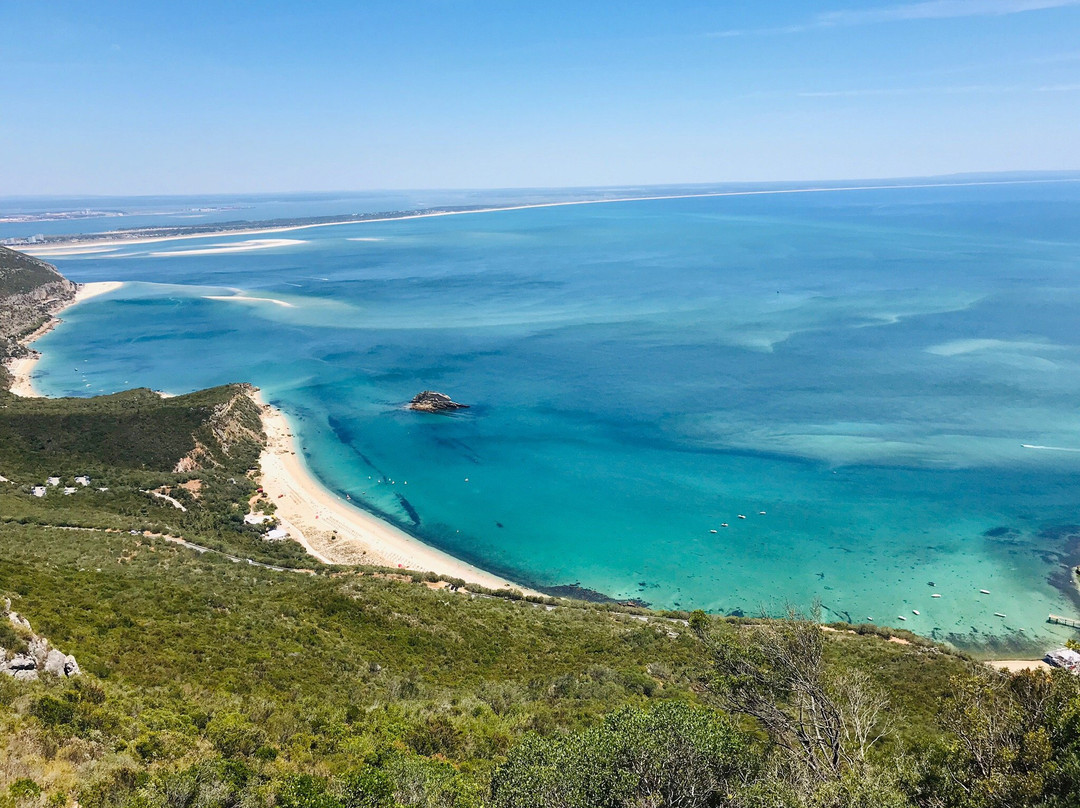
{"points": [[251, 299], [233, 247]]}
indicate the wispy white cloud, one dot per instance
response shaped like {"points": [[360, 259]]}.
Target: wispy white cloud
{"points": [[926, 10], [944, 90], [938, 10], [871, 91]]}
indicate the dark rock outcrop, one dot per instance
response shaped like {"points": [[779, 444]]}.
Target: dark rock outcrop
{"points": [[430, 401]]}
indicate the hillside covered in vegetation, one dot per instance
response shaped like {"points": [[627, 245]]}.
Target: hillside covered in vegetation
{"points": [[219, 669]]}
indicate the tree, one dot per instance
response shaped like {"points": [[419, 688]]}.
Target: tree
{"points": [[774, 672], [673, 756], [1012, 742]]}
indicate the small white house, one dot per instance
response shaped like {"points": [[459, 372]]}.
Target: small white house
{"points": [[83, 480], [277, 534], [53, 481], [255, 518], [69, 490], [38, 491]]}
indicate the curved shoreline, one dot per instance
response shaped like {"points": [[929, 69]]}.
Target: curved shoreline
{"points": [[335, 532], [22, 369], [327, 527]]}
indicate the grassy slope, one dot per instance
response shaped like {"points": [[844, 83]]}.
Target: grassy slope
{"points": [[177, 638], [130, 443]]}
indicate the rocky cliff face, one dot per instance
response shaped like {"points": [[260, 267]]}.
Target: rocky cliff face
{"points": [[31, 655], [233, 426], [31, 291]]}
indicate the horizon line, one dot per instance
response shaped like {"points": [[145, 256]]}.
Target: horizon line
{"points": [[957, 174]]}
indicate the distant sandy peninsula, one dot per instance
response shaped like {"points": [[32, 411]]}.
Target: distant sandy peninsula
{"points": [[59, 246]]}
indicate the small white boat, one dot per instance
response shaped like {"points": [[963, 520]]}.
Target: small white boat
{"points": [[712, 531], [723, 524], [902, 617], [761, 513], [741, 516], [935, 596], [985, 591], [914, 611], [998, 614], [870, 619]]}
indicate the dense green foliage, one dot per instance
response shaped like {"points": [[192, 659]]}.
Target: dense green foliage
{"points": [[131, 443], [136, 429], [213, 683], [193, 661], [20, 273]]}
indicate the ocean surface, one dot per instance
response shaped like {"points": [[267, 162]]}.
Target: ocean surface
{"points": [[859, 374]]}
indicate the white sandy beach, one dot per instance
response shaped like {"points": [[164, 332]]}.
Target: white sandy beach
{"points": [[22, 369], [334, 531], [68, 248], [1016, 665]]}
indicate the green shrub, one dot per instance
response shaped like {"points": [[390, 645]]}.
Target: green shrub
{"points": [[305, 791], [234, 736], [52, 712], [24, 789]]}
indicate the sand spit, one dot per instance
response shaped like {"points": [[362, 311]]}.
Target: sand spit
{"points": [[73, 246], [233, 247]]}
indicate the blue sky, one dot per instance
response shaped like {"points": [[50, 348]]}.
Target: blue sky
{"points": [[146, 97]]}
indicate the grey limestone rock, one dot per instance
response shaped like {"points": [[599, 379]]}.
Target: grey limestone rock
{"points": [[22, 662], [54, 663], [38, 648], [40, 656]]}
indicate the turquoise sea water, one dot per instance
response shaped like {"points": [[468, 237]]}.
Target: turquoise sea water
{"points": [[864, 367]]}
